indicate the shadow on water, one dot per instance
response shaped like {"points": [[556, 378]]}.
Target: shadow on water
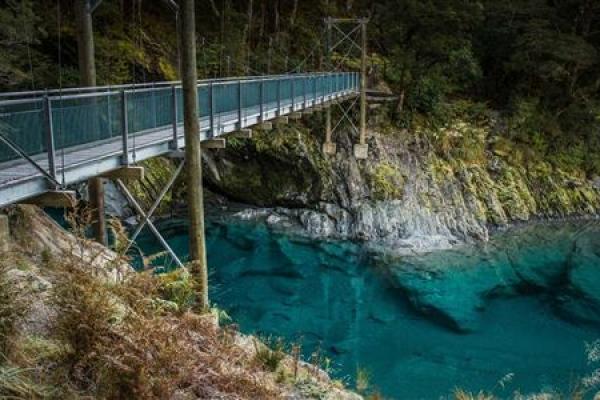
{"points": [[523, 304]]}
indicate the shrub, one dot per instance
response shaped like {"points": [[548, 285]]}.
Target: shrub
{"points": [[178, 287], [270, 354], [386, 182]]}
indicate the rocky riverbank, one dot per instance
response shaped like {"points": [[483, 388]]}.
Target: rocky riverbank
{"points": [[419, 190], [408, 195], [75, 322]]}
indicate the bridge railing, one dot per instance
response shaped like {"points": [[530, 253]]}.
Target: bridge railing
{"points": [[41, 126]]}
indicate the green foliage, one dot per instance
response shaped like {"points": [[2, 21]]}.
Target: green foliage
{"points": [[386, 182], [363, 380], [537, 60], [270, 354], [179, 288], [428, 94]]}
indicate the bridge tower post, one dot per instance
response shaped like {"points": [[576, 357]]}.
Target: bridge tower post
{"points": [[355, 37], [361, 149], [87, 76], [193, 149], [328, 146]]}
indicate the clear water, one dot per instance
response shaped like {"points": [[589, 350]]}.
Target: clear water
{"points": [[337, 297]]}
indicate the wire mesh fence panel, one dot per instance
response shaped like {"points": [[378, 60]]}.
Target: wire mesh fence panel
{"points": [[251, 94], [179, 95], [320, 88], [114, 113], [311, 88], [204, 103], [298, 90], [271, 91], [149, 109], [345, 82], [226, 98], [286, 92], [23, 124], [81, 120]]}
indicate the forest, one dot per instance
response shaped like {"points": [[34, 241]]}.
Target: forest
{"points": [[461, 253], [535, 63]]}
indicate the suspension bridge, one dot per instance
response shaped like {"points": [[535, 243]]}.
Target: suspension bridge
{"points": [[53, 139]]}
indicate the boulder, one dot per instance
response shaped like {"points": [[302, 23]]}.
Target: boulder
{"points": [[453, 286], [539, 255], [583, 299]]}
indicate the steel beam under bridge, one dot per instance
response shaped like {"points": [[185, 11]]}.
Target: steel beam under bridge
{"points": [[80, 133]]}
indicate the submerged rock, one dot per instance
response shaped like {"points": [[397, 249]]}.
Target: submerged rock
{"points": [[454, 286], [583, 300]]}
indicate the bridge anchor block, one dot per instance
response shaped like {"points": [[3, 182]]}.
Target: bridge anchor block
{"points": [[282, 120], [266, 126], [218, 143], [361, 151], [129, 173], [329, 148]]}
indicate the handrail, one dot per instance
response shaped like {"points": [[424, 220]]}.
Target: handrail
{"points": [[133, 86], [52, 125]]}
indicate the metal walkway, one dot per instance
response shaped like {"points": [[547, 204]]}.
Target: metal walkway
{"points": [[74, 134]]}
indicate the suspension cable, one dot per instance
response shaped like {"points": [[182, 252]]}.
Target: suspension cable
{"points": [[28, 39], [60, 87]]}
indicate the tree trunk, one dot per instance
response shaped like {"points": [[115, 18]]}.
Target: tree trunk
{"points": [[294, 12], [193, 151], [87, 77]]}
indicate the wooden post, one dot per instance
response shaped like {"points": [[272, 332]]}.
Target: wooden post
{"points": [[87, 77], [363, 84], [328, 146], [193, 150]]}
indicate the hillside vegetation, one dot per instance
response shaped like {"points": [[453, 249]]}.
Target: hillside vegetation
{"points": [[536, 61], [77, 323]]}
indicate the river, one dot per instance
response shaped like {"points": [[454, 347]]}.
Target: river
{"points": [[510, 315]]}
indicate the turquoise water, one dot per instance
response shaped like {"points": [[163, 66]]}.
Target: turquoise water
{"points": [[418, 329]]}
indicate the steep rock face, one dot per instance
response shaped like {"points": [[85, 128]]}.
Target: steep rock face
{"points": [[404, 195]]}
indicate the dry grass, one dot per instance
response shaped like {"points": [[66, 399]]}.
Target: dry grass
{"points": [[122, 346], [123, 336], [10, 310]]}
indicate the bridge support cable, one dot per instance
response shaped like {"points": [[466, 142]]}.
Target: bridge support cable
{"points": [[147, 216], [21, 153], [353, 32], [193, 150], [148, 222]]}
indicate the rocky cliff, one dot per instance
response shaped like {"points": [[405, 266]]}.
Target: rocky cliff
{"points": [[418, 189]]}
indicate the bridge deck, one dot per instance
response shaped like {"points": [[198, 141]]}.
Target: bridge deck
{"points": [[19, 179]]}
